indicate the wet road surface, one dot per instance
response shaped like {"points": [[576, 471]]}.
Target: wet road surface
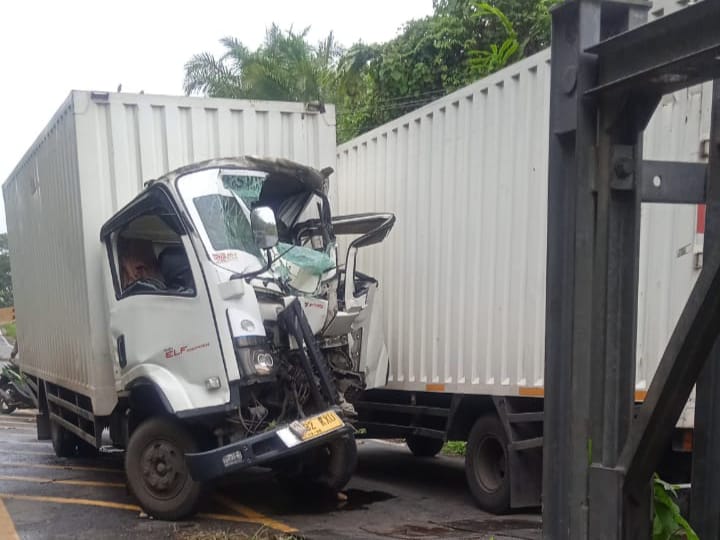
{"points": [[392, 495]]}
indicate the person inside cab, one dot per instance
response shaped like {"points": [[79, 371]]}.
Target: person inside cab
{"points": [[139, 266]]}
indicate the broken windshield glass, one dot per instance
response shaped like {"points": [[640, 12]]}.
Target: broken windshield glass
{"points": [[222, 220], [246, 185], [225, 223]]}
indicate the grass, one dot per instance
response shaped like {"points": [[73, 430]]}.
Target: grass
{"points": [[8, 330], [454, 448]]}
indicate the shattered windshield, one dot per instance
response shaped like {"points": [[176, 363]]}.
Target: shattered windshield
{"points": [[225, 223], [221, 215], [247, 185], [219, 202]]}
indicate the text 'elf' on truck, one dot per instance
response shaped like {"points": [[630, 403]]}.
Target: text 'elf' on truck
{"points": [[236, 337]]}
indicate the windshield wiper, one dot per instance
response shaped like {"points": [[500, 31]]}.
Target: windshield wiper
{"points": [[249, 275], [265, 268]]}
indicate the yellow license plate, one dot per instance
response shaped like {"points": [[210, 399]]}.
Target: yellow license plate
{"points": [[320, 424]]}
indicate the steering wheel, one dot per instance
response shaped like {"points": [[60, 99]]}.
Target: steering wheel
{"points": [[139, 286]]}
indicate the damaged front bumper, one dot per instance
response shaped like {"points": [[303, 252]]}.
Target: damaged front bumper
{"points": [[259, 449]]}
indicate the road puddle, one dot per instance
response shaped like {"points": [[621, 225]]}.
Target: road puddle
{"points": [[322, 503]]}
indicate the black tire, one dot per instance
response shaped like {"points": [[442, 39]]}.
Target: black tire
{"points": [[326, 468], [86, 450], [5, 408], [339, 459], [156, 471], [64, 443], [487, 465], [424, 446]]}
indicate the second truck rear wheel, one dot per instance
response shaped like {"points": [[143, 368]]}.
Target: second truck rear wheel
{"points": [[487, 465], [423, 446]]}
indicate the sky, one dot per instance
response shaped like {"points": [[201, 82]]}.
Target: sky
{"points": [[51, 47]]}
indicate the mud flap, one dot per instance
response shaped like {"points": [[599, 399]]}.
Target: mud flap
{"points": [[524, 452], [42, 422]]}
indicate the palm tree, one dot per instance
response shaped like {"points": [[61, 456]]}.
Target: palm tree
{"points": [[284, 67]]}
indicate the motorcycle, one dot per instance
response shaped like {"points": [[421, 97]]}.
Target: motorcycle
{"points": [[15, 393]]}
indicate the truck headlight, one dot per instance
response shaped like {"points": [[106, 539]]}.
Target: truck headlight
{"points": [[255, 361], [263, 363]]}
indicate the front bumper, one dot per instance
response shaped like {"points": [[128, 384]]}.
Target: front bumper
{"points": [[256, 450]]}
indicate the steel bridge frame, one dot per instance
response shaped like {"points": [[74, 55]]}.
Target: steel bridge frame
{"points": [[609, 72]]}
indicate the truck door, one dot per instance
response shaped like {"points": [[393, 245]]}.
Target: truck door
{"points": [[362, 295], [162, 328]]}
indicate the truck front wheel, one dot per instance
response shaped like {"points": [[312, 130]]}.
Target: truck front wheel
{"points": [[156, 471], [327, 468], [487, 465], [337, 461]]}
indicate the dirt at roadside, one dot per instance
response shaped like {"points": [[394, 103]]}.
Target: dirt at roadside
{"points": [[227, 534]]}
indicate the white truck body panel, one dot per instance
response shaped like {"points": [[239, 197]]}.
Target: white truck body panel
{"points": [[463, 271], [93, 157]]}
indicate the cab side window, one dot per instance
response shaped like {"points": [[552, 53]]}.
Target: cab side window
{"points": [[151, 259]]}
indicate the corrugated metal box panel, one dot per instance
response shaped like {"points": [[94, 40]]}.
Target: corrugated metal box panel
{"points": [[93, 158], [669, 238], [44, 218], [463, 271]]}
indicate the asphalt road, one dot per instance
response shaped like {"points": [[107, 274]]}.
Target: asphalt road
{"points": [[393, 495]]}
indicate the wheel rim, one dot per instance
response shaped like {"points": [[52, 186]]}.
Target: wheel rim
{"points": [[491, 463], [163, 469]]}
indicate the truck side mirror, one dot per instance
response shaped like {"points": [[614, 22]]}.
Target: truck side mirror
{"points": [[264, 227]]}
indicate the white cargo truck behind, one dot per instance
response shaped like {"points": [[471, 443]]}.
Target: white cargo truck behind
{"points": [[463, 273]]}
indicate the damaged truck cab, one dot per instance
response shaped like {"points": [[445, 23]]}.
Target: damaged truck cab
{"points": [[239, 337]]}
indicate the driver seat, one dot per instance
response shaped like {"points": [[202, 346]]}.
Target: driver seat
{"points": [[175, 268]]}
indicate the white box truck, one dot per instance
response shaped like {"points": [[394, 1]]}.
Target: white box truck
{"points": [[190, 303], [463, 274]]}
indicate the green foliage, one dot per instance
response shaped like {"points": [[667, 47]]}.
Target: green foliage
{"points": [[462, 41], [668, 522], [454, 448], [496, 56], [6, 291], [284, 67], [9, 331]]}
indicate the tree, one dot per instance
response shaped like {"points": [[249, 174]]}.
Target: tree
{"points": [[462, 41], [6, 291], [284, 67]]}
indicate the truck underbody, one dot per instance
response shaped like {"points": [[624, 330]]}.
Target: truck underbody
{"points": [[504, 436]]}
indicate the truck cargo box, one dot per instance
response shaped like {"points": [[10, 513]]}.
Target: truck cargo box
{"points": [[94, 156], [463, 273]]}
